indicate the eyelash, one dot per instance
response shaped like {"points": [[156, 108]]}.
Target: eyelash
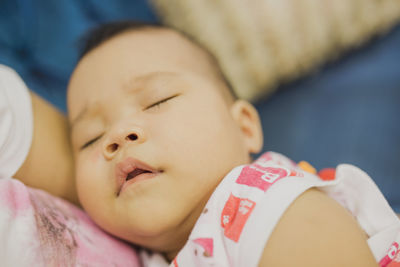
{"points": [[157, 104], [90, 142]]}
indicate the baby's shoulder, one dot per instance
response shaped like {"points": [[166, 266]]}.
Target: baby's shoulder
{"points": [[318, 230]]}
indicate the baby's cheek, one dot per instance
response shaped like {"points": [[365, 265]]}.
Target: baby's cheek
{"points": [[96, 155], [87, 165], [86, 180]]}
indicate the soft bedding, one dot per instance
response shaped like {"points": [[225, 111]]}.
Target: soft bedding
{"points": [[37, 229]]}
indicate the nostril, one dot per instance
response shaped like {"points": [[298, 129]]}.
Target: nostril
{"points": [[132, 137], [112, 148]]}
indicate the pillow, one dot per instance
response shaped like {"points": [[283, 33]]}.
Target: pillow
{"points": [[260, 43], [37, 229]]}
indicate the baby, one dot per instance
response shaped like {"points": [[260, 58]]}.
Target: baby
{"points": [[158, 137]]}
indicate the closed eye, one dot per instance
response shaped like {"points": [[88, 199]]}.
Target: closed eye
{"points": [[90, 142], [158, 103]]}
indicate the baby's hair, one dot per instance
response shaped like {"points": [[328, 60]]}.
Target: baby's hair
{"points": [[100, 34]]}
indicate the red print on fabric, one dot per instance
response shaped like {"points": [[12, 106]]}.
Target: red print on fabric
{"points": [[234, 216], [296, 173], [207, 244], [266, 157], [393, 250], [396, 261], [261, 177], [276, 158]]}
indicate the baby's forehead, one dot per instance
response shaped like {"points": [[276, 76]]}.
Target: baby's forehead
{"points": [[139, 56], [160, 44]]}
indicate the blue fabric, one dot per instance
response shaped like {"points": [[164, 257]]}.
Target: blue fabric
{"points": [[348, 112], [38, 38]]}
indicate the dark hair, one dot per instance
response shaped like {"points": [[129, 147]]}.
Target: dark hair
{"points": [[100, 34]]}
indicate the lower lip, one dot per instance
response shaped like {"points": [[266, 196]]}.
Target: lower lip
{"points": [[138, 178]]}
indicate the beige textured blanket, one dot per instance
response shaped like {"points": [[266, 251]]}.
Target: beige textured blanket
{"points": [[260, 43]]}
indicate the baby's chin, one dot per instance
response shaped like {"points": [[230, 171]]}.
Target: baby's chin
{"points": [[159, 233], [162, 239]]}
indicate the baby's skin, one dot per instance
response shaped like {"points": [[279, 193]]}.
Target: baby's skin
{"points": [[151, 100], [154, 131]]}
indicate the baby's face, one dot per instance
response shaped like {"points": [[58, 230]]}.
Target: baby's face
{"points": [[153, 135]]}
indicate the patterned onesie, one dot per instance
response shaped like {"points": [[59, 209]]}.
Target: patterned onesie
{"points": [[246, 206]]}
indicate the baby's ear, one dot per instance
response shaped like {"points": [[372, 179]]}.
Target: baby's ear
{"points": [[246, 116]]}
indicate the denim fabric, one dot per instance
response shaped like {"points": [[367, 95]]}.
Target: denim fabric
{"points": [[348, 112], [38, 38]]}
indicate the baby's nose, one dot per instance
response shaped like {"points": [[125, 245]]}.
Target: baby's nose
{"points": [[118, 139]]}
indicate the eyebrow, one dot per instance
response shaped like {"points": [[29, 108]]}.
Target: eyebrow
{"points": [[145, 77]]}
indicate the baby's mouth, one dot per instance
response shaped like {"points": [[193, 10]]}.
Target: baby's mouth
{"points": [[135, 173], [130, 171]]}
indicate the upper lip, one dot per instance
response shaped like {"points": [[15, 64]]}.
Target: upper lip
{"points": [[129, 168]]}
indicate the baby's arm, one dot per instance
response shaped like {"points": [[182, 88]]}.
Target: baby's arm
{"points": [[49, 164], [317, 231]]}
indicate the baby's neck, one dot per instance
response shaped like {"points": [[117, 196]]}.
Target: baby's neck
{"points": [[187, 225]]}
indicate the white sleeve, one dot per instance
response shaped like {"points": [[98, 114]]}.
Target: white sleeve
{"points": [[16, 122]]}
